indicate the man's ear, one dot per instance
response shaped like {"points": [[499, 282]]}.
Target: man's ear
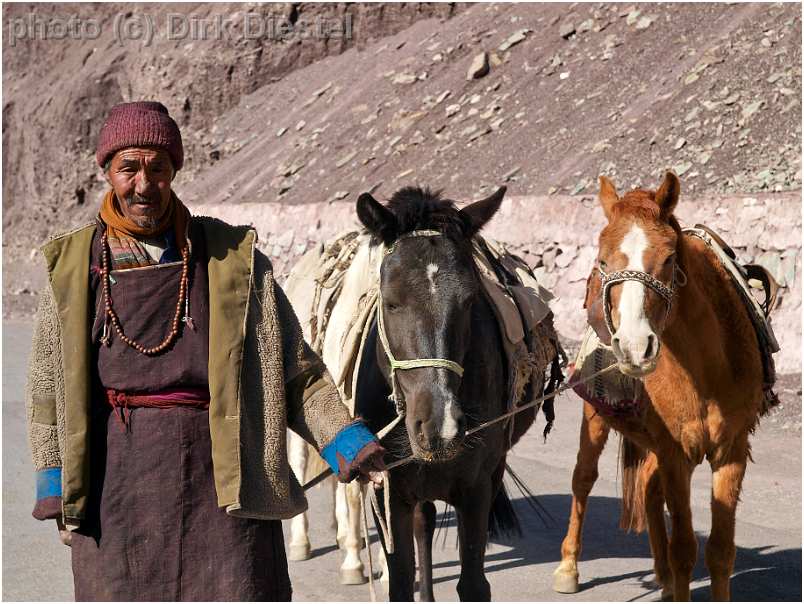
{"points": [[378, 219], [607, 196]]}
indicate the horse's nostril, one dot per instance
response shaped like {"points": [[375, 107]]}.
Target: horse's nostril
{"points": [[615, 345], [651, 351], [461, 426]]}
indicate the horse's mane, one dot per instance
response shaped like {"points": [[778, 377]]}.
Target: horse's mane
{"points": [[417, 208]]}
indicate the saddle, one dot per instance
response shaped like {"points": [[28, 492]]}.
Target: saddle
{"points": [[617, 395], [759, 312], [334, 287]]}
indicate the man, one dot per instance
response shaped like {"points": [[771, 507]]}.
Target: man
{"points": [[166, 366]]}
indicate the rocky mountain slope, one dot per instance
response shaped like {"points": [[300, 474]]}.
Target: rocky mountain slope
{"points": [[572, 91], [541, 97], [58, 85]]}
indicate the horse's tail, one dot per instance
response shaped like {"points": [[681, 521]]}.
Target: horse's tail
{"points": [[503, 520], [632, 460]]}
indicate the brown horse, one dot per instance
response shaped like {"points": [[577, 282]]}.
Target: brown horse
{"points": [[674, 320]]}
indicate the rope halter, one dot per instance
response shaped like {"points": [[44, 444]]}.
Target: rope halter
{"points": [[607, 280], [396, 395]]}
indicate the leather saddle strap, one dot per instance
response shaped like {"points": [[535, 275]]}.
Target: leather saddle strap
{"points": [[761, 274], [723, 245]]}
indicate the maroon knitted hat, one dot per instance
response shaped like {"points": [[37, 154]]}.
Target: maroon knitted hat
{"points": [[139, 124]]}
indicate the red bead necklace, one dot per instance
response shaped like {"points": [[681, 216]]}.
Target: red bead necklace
{"points": [[115, 320]]}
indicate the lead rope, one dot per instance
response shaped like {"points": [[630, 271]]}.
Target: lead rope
{"points": [[372, 591], [533, 403], [386, 528], [372, 497]]}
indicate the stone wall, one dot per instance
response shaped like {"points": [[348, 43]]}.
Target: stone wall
{"points": [[557, 235]]}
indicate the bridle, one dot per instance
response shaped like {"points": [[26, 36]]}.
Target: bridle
{"points": [[607, 280], [396, 395]]}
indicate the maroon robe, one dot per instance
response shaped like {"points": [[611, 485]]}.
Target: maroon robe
{"points": [[153, 529]]}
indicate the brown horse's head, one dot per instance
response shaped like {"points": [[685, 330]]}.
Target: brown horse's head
{"points": [[631, 289], [428, 285]]}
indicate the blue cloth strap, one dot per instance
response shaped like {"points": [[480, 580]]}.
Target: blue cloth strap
{"points": [[48, 483], [348, 442]]}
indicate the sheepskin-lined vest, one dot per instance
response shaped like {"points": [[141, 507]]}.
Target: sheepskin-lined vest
{"points": [[262, 377]]}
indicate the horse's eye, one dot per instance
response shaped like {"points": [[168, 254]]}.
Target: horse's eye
{"points": [[392, 307], [670, 259], [601, 264]]}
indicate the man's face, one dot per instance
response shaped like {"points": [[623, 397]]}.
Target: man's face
{"points": [[141, 177]]}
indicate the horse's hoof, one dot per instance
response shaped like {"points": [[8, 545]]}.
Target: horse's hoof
{"points": [[352, 576], [566, 583], [296, 553], [667, 594]]}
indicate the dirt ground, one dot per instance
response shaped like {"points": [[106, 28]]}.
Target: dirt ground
{"points": [[614, 566]]}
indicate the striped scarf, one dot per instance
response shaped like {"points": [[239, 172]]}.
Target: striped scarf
{"points": [[125, 237]]}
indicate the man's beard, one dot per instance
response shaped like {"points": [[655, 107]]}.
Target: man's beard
{"points": [[148, 221]]}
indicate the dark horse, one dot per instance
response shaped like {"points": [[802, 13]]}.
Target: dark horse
{"points": [[433, 308]]}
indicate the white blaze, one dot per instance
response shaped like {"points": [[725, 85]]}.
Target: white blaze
{"points": [[634, 329], [432, 269], [449, 427]]}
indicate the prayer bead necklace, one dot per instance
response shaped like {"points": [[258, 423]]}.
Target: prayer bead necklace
{"points": [[115, 320]]}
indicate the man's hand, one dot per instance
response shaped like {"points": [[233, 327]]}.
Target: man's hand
{"points": [[367, 466], [375, 478], [372, 468], [355, 453], [65, 535]]}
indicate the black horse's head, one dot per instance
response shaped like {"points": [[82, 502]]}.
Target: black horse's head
{"points": [[428, 285]]}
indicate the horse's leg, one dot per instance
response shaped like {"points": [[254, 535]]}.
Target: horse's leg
{"points": [[594, 433], [341, 520], [727, 479], [299, 546], [676, 474], [657, 530], [401, 563], [473, 524], [351, 572], [423, 528]]}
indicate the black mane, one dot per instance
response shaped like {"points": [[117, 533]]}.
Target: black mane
{"points": [[417, 208]]}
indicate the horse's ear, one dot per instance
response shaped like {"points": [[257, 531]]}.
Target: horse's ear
{"points": [[480, 212], [607, 196], [667, 194], [378, 219]]}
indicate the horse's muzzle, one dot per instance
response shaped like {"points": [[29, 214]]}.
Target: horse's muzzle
{"points": [[637, 371], [442, 440]]}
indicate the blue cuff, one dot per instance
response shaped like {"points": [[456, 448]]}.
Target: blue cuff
{"points": [[348, 442], [48, 483]]}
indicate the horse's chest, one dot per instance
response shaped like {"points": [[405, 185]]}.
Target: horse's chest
{"points": [[445, 481], [676, 420]]}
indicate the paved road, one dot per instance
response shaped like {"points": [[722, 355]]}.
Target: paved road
{"points": [[615, 566]]}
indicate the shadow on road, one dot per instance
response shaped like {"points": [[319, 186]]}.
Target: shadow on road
{"points": [[760, 573]]}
